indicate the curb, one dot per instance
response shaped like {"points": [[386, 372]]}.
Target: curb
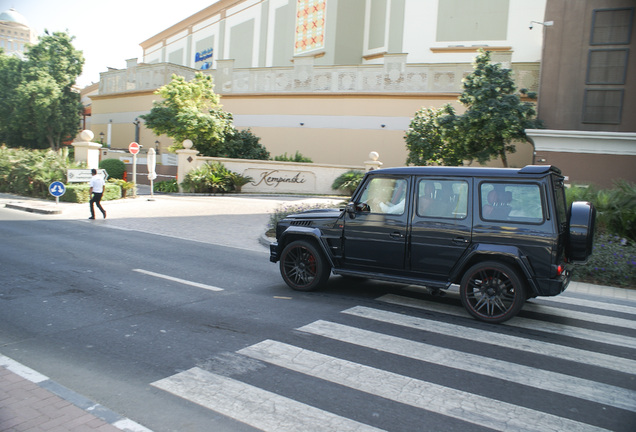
{"points": [[32, 209], [89, 406]]}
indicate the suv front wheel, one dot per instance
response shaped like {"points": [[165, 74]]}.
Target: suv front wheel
{"points": [[303, 266], [492, 291]]}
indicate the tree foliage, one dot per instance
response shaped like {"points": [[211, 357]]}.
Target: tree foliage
{"points": [[494, 119], [38, 105], [243, 144], [429, 136], [191, 110]]}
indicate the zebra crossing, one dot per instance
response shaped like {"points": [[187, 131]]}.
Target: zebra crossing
{"points": [[404, 363]]}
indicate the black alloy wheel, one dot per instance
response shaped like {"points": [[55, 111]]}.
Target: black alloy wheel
{"points": [[303, 266], [492, 292]]}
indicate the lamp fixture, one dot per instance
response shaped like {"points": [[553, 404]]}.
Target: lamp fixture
{"points": [[544, 23]]}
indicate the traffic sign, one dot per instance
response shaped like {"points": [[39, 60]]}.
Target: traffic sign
{"points": [[133, 148], [57, 189], [83, 175]]}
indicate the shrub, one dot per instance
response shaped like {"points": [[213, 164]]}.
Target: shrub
{"points": [[166, 186], [79, 193], [616, 208], [348, 181], [613, 262], [30, 172], [243, 145], [296, 158], [213, 178], [114, 167]]}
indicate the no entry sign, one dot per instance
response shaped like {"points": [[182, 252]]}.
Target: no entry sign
{"points": [[133, 148]]}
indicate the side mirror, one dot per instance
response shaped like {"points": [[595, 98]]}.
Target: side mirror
{"points": [[350, 209]]}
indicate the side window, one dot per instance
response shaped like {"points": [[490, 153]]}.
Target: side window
{"points": [[511, 202], [442, 198], [385, 195]]}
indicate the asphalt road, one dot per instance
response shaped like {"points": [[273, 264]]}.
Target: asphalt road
{"points": [[185, 335]]}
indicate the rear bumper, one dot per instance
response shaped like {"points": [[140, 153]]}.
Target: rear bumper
{"points": [[555, 286]]}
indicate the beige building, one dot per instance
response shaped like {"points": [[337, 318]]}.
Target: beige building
{"points": [[332, 79]]}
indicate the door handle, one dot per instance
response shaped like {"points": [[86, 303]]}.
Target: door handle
{"points": [[397, 235], [460, 240]]}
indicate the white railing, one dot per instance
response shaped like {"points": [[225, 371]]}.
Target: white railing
{"points": [[391, 77]]}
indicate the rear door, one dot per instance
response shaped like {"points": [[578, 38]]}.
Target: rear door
{"points": [[375, 239], [441, 225]]}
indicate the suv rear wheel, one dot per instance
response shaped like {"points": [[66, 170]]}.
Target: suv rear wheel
{"points": [[303, 266], [492, 291]]}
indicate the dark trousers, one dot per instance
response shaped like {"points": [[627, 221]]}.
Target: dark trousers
{"points": [[96, 199]]}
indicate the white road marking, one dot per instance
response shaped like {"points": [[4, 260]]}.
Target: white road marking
{"points": [[513, 342], [450, 402], [182, 281], [590, 303], [254, 406], [525, 375], [530, 324], [583, 316]]}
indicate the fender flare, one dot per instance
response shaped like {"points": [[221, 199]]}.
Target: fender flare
{"points": [[490, 251], [297, 232]]}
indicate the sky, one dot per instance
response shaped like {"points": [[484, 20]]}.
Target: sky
{"points": [[108, 32]]}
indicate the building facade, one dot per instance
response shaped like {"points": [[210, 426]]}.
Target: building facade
{"points": [[587, 96], [332, 79], [15, 33]]}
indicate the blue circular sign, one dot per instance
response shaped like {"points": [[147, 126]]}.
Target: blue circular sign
{"points": [[57, 189]]}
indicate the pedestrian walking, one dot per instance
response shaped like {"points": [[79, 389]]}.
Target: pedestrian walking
{"points": [[96, 191]]}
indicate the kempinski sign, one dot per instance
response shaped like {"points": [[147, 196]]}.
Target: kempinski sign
{"points": [[281, 180]]}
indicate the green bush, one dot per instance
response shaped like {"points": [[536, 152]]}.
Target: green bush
{"points": [[243, 145], [613, 262], [30, 172], [348, 181], [296, 158], [79, 193], [214, 178], [615, 208], [166, 186], [114, 167]]}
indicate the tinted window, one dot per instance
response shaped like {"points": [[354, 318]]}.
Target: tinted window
{"points": [[442, 198], [385, 195], [514, 202]]}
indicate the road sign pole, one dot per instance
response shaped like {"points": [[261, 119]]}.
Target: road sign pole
{"points": [[135, 175]]}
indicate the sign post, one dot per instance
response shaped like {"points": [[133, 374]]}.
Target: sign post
{"points": [[152, 175], [133, 148], [57, 189]]}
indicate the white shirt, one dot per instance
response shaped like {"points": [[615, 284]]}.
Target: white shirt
{"points": [[97, 183]]}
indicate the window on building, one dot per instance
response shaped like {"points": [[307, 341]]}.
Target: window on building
{"points": [[612, 26], [603, 106], [607, 66], [460, 20]]}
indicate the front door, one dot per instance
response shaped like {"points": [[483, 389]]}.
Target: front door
{"points": [[375, 238]]}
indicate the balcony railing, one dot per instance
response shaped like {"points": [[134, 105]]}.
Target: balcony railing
{"points": [[305, 77]]}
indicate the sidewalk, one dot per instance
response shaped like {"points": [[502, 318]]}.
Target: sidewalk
{"points": [[30, 401]]}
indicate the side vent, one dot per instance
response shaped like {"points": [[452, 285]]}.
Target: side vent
{"points": [[301, 223]]}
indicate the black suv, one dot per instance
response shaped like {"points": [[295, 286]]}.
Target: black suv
{"points": [[504, 235]]}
